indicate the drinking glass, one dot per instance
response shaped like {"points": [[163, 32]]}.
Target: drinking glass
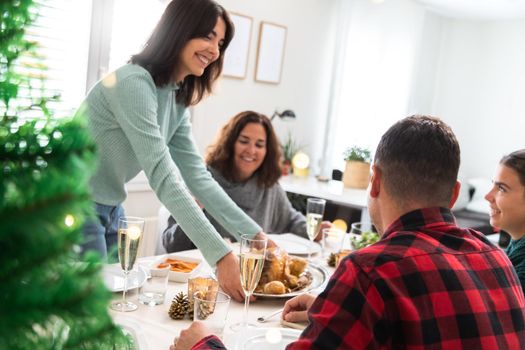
{"points": [[252, 255], [130, 230], [361, 234], [314, 217], [153, 291], [332, 240], [360, 227], [212, 310]]}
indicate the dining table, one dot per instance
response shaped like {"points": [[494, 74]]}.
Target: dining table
{"points": [[152, 327]]}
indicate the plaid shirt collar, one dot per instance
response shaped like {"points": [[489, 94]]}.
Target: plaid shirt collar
{"points": [[426, 217]]}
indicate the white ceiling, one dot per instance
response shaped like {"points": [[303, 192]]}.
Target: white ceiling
{"points": [[478, 9]]}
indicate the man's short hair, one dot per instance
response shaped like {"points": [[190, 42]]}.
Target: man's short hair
{"points": [[419, 159]]}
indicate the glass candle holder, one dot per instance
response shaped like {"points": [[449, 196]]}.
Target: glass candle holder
{"points": [[206, 287]]}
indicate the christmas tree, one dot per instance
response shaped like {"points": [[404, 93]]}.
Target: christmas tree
{"points": [[49, 299]]}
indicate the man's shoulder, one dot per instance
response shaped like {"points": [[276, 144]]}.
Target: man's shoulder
{"points": [[394, 247], [404, 250]]}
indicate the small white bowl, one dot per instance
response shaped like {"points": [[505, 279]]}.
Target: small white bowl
{"points": [[177, 276]]}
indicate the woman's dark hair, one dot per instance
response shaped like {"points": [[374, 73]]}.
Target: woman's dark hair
{"points": [[221, 154], [516, 161], [182, 21]]}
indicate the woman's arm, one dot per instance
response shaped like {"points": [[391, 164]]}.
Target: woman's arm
{"points": [[204, 187], [134, 103]]}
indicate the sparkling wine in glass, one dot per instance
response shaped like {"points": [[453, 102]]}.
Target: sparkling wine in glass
{"points": [[314, 217], [252, 255], [130, 230]]}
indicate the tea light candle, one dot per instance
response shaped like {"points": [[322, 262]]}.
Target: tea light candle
{"points": [[205, 285]]}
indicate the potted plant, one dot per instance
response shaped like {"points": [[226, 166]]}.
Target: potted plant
{"points": [[357, 170], [289, 148]]}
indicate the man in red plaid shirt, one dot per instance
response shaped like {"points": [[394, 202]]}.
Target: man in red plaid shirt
{"points": [[427, 283]]}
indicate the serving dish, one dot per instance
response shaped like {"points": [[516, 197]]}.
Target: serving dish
{"points": [[319, 279], [178, 276]]}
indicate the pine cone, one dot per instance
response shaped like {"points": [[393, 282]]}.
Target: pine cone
{"points": [[331, 260], [204, 310], [200, 294], [179, 306], [190, 311]]}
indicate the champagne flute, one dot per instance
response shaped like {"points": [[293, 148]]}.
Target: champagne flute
{"points": [[314, 217], [130, 231], [253, 253]]}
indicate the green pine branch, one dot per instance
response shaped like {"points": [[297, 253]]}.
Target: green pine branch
{"points": [[50, 298]]}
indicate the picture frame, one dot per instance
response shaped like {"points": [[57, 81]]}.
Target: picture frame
{"points": [[270, 52], [236, 57]]}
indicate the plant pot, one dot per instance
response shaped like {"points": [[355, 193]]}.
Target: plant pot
{"points": [[285, 167], [356, 174]]}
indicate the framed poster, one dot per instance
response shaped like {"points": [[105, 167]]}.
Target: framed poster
{"points": [[270, 53], [236, 56]]}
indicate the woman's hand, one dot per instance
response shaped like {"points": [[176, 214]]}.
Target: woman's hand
{"points": [[296, 309], [190, 336], [229, 276], [229, 273], [324, 224], [262, 235]]}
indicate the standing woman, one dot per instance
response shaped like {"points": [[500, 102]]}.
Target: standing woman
{"points": [[139, 119], [507, 207]]}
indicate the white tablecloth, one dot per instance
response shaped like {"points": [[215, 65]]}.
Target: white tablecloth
{"points": [[156, 329]]}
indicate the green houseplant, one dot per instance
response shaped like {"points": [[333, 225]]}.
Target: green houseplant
{"points": [[357, 169], [289, 148], [358, 154]]}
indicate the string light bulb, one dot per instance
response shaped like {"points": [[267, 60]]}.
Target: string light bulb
{"points": [[69, 220]]}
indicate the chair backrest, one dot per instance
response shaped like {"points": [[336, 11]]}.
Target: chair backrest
{"points": [[162, 224], [337, 174]]}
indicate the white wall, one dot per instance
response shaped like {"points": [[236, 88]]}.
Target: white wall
{"points": [[479, 90], [303, 87], [305, 73], [381, 51]]}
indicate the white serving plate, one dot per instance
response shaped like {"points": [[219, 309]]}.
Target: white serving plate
{"points": [[262, 339], [176, 276], [294, 244], [319, 279], [114, 278]]}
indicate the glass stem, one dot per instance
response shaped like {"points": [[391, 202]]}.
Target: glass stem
{"points": [[125, 288], [245, 315], [310, 247]]}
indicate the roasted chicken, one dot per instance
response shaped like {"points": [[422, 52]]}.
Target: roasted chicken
{"points": [[283, 273]]}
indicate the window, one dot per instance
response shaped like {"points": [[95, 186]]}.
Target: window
{"points": [[59, 61], [375, 82], [133, 22]]}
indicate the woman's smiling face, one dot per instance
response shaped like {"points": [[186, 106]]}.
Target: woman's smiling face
{"points": [[199, 53], [249, 150], [507, 202]]}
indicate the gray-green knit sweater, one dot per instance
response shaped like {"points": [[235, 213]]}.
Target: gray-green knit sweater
{"points": [[138, 126], [268, 206]]}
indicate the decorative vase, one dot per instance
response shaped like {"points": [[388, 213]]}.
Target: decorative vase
{"points": [[356, 174]]}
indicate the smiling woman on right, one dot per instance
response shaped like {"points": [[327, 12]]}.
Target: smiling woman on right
{"points": [[507, 207]]}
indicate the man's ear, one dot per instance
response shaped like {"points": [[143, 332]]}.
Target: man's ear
{"points": [[455, 194], [375, 182]]}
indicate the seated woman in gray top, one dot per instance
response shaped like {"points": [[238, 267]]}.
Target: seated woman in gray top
{"points": [[507, 207], [245, 162]]}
